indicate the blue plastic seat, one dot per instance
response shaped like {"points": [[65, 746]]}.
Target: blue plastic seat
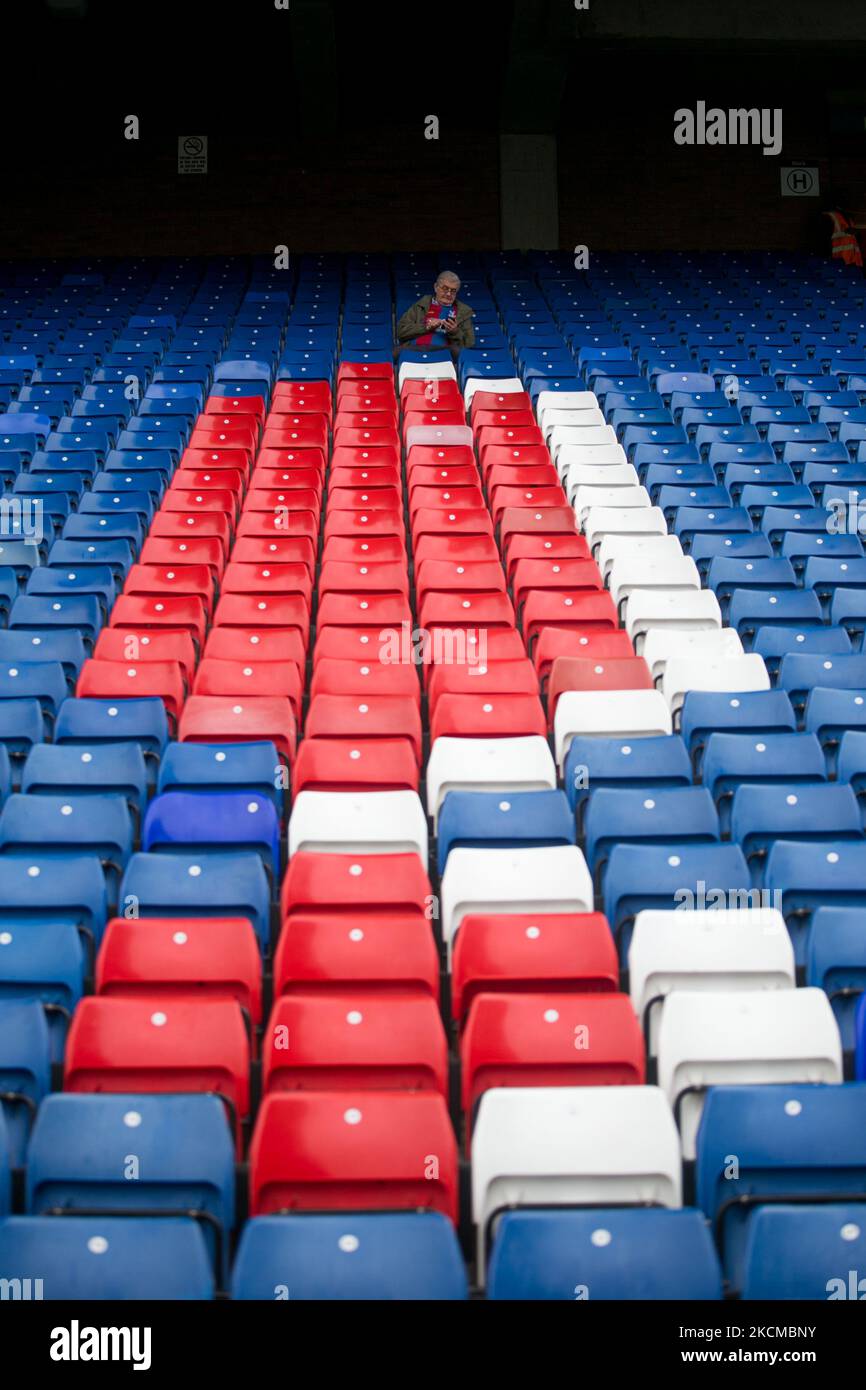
{"points": [[751, 609], [603, 1253], [81, 612], [798, 674], [668, 876], [851, 759], [55, 582], [387, 1256], [803, 876], [25, 1069], [761, 815], [78, 1161], [762, 758], [805, 1252], [44, 681], [705, 546], [774, 643], [797, 546], [221, 766], [690, 522], [212, 821], [5, 1168], [44, 961], [60, 827], [726, 574], [644, 815], [65, 769], [836, 963], [495, 820], [107, 721], [593, 763], [778, 522], [105, 1258], [231, 884], [796, 1141]]}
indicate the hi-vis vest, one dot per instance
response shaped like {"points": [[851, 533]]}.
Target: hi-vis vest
{"points": [[845, 244]]}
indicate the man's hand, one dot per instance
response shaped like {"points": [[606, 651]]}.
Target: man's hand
{"points": [[450, 326]]}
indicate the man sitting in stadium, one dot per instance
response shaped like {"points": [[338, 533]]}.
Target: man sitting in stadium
{"points": [[439, 320]]}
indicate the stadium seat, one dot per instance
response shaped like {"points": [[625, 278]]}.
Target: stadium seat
{"points": [[230, 884], [805, 1252], [549, 879], [363, 822], [25, 1070], [212, 822]]}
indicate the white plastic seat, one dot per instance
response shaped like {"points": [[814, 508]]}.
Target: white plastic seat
{"points": [[570, 419], [551, 878], [439, 434], [594, 455], [663, 644], [608, 714], [630, 498], [622, 521], [564, 400], [569, 1146], [358, 823], [684, 608], [739, 1038], [589, 436], [426, 371], [615, 547], [721, 949], [488, 765], [613, 475], [503, 385], [684, 673], [638, 571]]}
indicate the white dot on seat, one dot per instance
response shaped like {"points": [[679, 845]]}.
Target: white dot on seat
{"points": [[793, 1107], [194, 870], [34, 871], [760, 747], [601, 1237], [219, 757], [354, 1017], [850, 1231], [180, 938], [551, 1015], [97, 1245], [352, 1117], [649, 804], [159, 1020], [132, 1119], [832, 857], [356, 934], [355, 870], [674, 861]]}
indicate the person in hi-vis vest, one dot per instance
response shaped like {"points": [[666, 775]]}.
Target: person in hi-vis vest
{"points": [[845, 246]]}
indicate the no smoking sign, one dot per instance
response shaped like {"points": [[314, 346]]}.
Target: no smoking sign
{"points": [[192, 154]]}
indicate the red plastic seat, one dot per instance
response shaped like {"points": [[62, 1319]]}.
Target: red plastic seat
{"points": [[263, 644], [123, 644], [285, 550], [121, 680], [594, 673], [230, 719], [357, 371], [177, 550], [351, 499], [443, 391], [269, 578], [182, 612], [468, 576], [275, 500], [604, 644], [161, 1043], [523, 476], [249, 610], [514, 456], [462, 609], [506, 497], [436, 415], [350, 609], [439, 456], [353, 1151], [357, 643], [505, 401], [364, 577], [349, 438], [340, 1041], [535, 521], [448, 522], [294, 431], [292, 478], [549, 1039], [503, 419], [375, 419], [487, 716], [488, 678], [464, 647], [235, 405], [554, 548], [315, 394], [512, 436], [466, 496], [226, 431], [551, 575], [364, 549], [216, 676], [190, 526], [381, 885], [219, 502], [347, 950], [238, 459], [458, 548], [424, 475], [210, 480], [569, 608], [367, 404], [379, 389], [374, 677], [306, 456], [370, 521], [371, 764], [376, 475], [374, 716], [287, 521], [525, 952], [158, 580], [357, 456], [193, 957]]}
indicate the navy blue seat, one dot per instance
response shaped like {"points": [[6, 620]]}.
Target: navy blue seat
{"points": [[798, 674], [644, 815], [231, 884], [804, 876], [79, 1161], [805, 1252], [836, 963], [761, 815], [607, 1253], [213, 821], [201, 766], [25, 1069], [160, 1258], [387, 1256], [796, 1141], [45, 961], [668, 876], [493, 820]]}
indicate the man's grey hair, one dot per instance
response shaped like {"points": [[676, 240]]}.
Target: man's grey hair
{"points": [[449, 275]]}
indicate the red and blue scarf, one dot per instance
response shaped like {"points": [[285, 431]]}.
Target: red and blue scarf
{"points": [[437, 338]]}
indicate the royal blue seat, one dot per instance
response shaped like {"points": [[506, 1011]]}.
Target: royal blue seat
{"points": [[44, 681], [212, 821], [705, 546], [802, 1142], [124, 527], [619, 762], [603, 1253], [104, 1258], [25, 1069], [690, 522], [80, 612], [80, 1153], [60, 827], [751, 609], [5, 1168], [668, 876], [44, 961], [778, 522], [848, 608], [61, 583], [860, 1040], [760, 815], [231, 884], [732, 758], [107, 721], [387, 1256], [806, 876], [223, 766], [798, 674], [774, 643], [806, 1252], [836, 963], [64, 645], [726, 574], [644, 815], [496, 820]]}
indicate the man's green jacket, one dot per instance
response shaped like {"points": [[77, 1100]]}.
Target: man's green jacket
{"points": [[412, 323]]}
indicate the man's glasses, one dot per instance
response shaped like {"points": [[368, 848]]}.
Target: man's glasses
{"points": [[446, 289]]}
